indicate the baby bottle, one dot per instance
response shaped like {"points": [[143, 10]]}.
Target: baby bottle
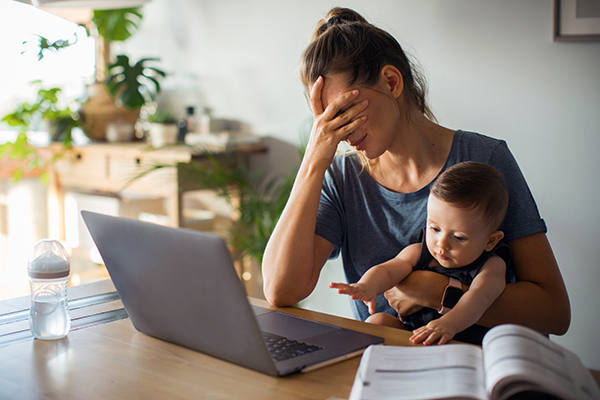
{"points": [[48, 269]]}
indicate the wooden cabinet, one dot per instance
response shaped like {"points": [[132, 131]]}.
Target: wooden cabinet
{"points": [[121, 169]]}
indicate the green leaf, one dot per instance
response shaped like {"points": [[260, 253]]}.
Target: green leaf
{"points": [[17, 175], [5, 148], [131, 97], [45, 177], [117, 25], [130, 83], [47, 107], [45, 45]]}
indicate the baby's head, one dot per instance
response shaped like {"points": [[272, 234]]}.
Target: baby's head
{"points": [[473, 185], [466, 207]]}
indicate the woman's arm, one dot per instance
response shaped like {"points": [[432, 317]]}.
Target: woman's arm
{"points": [[538, 299], [295, 255], [485, 288]]}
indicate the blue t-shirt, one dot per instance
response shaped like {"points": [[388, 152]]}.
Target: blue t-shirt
{"points": [[370, 224]]}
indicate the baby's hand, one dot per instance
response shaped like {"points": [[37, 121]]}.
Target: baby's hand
{"points": [[438, 330], [356, 291]]}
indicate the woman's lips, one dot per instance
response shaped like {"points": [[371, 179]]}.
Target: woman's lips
{"points": [[358, 142]]}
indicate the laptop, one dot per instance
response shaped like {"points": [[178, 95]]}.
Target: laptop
{"points": [[181, 286]]}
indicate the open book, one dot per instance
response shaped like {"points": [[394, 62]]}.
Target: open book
{"points": [[513, 360]]}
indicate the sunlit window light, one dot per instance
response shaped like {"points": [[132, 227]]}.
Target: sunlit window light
{"points": [[71, 221], [70, 68]]}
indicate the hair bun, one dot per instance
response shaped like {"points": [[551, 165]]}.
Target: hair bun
{"points": [[337, 16], [335, 20], [340, 15]]}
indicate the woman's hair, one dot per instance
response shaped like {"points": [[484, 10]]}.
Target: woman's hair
{"points": [[345, 42], [474, 185]]}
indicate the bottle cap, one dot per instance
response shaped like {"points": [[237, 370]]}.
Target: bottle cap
{"points": [[48, 260]]}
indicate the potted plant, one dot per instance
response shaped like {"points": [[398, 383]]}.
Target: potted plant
{"points": [[163, 128], [49, 109], [109, 26], [257, 203], [118, 97]]}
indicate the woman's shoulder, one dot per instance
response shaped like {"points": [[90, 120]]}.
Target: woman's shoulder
{"points": [[474, 138], [474, 146]]}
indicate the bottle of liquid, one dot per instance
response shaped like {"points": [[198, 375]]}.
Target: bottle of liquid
{"points": [[182, 126], [49, 269], [205, 121], [191, 119]]}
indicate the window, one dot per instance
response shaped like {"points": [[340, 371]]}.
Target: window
{"points": [[23, 205], [70, 68]]}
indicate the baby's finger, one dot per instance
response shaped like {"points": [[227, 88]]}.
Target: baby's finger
{"points": [[432, 339], [420, 330], [372, 306], [419, 335], [337, 285], [444, 339], [343, 288]]}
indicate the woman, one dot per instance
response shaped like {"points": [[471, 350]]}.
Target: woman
{"points": [[371, 204]]}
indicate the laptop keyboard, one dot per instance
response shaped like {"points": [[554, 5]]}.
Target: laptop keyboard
{"points": [[282, 348]]}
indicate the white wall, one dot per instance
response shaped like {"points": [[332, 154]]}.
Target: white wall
{"points": [[492, 68]]}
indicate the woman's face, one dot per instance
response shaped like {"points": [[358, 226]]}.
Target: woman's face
{"points": [[376, 135]]}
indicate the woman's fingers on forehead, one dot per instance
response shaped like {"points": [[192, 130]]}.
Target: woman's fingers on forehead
{"points": [[346, 98], [316, 96], [342, 103]]}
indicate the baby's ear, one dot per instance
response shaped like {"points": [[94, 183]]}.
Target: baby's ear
{"points": [[495, 237]]}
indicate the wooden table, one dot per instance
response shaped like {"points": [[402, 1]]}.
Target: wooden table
{"points": [[114, 361]]}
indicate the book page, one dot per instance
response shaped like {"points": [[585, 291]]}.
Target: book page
{"points": [[516, 358], [421, 372]]}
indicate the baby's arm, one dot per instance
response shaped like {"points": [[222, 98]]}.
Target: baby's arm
{"points": [[485, 288], [381, 277]]}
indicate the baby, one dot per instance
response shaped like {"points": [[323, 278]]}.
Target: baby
{"points": [[466, 206]]}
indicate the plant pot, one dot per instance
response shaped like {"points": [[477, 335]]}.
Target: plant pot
{"points": [[119, 132], [163, 134], [100, 110]]}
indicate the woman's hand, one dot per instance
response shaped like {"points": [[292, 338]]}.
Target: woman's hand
{"points": [[403, 304], [419, 289], [332, 124]]}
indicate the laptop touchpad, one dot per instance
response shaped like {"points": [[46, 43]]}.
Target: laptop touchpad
{"points": [[291, 326]]}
